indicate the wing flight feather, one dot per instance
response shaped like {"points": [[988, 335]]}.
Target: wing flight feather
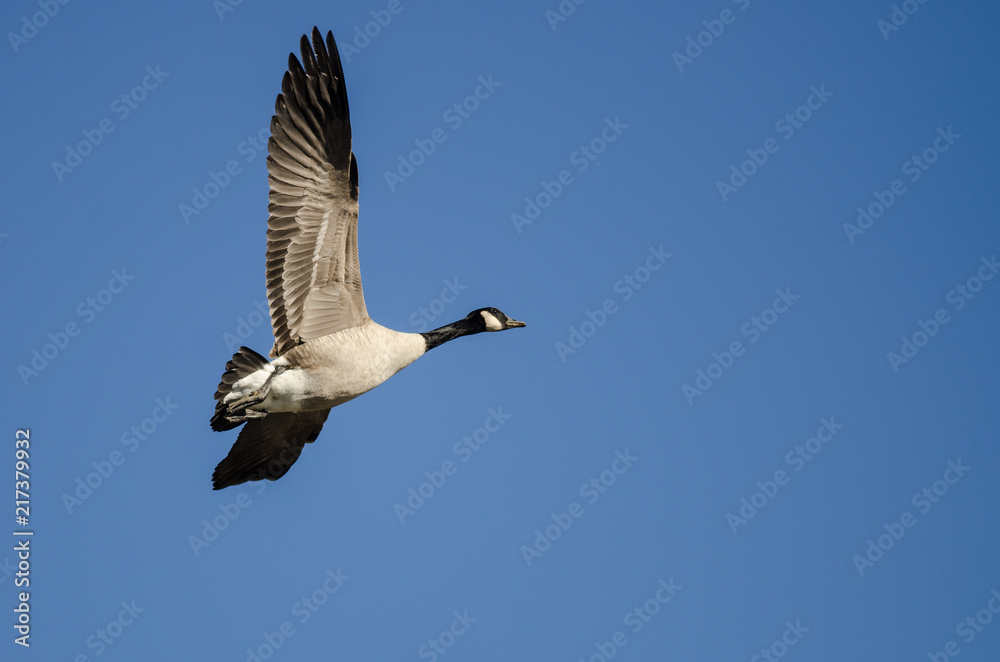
{"points": [[313, 272]]}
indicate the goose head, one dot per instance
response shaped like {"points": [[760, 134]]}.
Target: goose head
{"points": [[491, 319], [483, 319]]}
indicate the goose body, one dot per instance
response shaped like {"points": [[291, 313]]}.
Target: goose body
{"points": [[333, 369], [327, 350]]}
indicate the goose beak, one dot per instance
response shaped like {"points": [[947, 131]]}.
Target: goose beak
{"points": [[513, 324]]}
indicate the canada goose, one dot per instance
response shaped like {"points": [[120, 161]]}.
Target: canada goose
{"points": [[326, 349]]}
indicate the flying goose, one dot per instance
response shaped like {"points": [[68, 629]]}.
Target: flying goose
{"points": [[326, 349]]}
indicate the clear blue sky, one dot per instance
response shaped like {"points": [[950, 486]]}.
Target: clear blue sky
{"points": [[756, 399]]}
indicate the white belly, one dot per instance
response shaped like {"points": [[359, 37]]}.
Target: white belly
{"points": [[331, 370]]}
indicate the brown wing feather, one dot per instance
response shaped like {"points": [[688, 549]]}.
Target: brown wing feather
{"points": [[313, 272]]}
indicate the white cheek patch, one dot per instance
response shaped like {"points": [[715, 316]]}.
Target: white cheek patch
{"points": [[492, 323]]}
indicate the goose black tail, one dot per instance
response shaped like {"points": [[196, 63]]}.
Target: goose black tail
{"points": [[244, 362]]}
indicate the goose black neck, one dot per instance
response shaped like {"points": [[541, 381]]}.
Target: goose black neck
{"points": [[462, 327]]}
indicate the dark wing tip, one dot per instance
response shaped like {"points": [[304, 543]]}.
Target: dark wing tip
{"points": [[354, 178], [294, 66]]}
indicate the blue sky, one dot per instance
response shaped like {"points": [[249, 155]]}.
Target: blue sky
{"points": [[754, 408]]}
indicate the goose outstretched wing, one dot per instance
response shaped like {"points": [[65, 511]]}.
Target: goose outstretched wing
{"points": [[313, 273]]}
